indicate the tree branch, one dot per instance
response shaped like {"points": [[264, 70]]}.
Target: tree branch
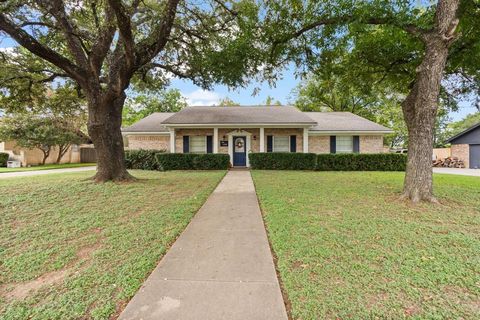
{"points": [[57, 10], [158, 40], [125, 27], [32, 45]]}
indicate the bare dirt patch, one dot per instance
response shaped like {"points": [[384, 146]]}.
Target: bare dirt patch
{"points": [[22, 290]]}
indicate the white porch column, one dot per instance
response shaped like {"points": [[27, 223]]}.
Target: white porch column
{"points": [[172, 140], [215, 140], [262, 139], [305, 140]]}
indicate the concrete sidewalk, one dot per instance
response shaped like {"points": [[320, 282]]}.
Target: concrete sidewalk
{"points": [[459, 171], [220, 267], [42, 172]]}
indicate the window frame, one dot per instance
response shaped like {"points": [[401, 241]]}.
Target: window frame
{"points": [[280, 136], [337, 144], [204, 144]]}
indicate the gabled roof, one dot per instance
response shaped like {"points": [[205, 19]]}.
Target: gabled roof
{"points": [[240, 115], [475, 126], [320, 122], [151, 123], [343, 121]]}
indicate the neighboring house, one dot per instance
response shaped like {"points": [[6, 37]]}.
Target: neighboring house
{"points": [[239, 130], [32, 157], [466, 146]]}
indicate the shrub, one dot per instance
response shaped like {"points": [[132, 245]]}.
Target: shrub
{"points": [[362, 162], [142, 159], [191, 161], [3, 159], [283, 161]]}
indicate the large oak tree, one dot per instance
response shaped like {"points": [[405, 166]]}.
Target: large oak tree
{"points": [[105, 46], [411, 47]]}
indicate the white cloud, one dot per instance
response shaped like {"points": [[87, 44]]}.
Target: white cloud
{"points": [[201, 97]]}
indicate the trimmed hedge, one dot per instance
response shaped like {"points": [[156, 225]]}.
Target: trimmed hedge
{"points": [[283, 161], [3, 159], [192, 161], [362, 162], [328, 162], [142, 159]]}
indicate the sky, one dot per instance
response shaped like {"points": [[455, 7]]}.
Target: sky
{"points": [[282, 91]]}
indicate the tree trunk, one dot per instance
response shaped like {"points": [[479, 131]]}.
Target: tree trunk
{"points": [[46, 153], [62, 149], [421, 105], [104, 123]]}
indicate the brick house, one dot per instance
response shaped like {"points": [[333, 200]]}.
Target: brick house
{"points": [[466, 146], [239, 130]]}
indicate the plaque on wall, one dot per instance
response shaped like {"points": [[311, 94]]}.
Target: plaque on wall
{"points": [[223, 143]]}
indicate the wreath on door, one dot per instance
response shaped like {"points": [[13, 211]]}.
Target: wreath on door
{"points": [[239, 143]]}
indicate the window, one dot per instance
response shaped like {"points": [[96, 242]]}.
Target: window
{"points": [[281, 144], [198, 144], [344, 144]]}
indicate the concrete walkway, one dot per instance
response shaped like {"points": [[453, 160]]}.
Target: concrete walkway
{"points": [[463, 172], [220, 267], [42, 172]]}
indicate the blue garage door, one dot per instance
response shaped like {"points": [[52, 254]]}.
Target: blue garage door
{"points": [[475, 156]]}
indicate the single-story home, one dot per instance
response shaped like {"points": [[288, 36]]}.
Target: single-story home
{"points": [[466, 146], [237, 131]]}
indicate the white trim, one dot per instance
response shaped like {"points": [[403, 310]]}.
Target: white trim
{"points": [[172, 140], [347, 133], [145, 133], [262, 139], [239, 133], [241, 125], [305, 140], [215, 140]]}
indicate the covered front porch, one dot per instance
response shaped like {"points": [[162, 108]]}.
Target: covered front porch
{"points": [[238, 142]]}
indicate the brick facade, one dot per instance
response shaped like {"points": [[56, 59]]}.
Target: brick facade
{"points": [[318, 144], [179, 133], [286, 132], [462, 152], [149, 142], [371, 144]]}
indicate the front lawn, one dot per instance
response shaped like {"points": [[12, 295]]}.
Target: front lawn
{"points": [[47, 167], [72, 249], [349, 249]]}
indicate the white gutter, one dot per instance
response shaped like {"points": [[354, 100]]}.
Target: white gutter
{"points": [[239, 125], [150, 133], [346, 132]]}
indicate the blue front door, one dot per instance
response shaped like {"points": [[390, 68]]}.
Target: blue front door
{"points": [[239, 152]]}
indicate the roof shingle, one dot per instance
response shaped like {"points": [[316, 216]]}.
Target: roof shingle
{"points": [[343, 121], [240, 115]]}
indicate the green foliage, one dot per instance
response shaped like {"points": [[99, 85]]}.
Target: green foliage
{"points": [[227, 102], [283, 161], [190, 161], [470, 120], [3, 159], [142, 159], [30, 131], [140, 106], [362, 162]]}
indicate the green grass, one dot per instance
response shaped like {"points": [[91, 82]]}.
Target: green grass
{"points": [[92, 244], [348, 248], [47, 167]]}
